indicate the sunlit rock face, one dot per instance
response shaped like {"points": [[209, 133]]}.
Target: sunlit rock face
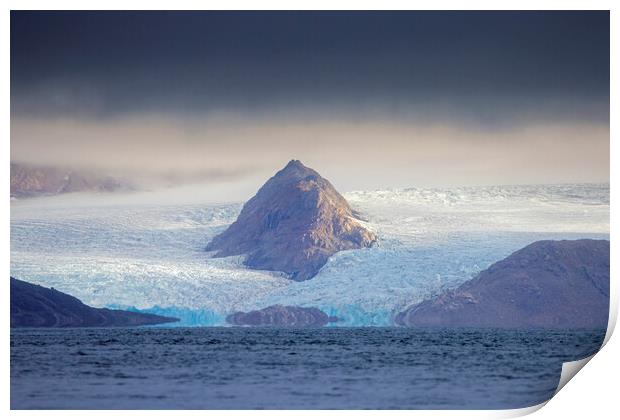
{"points": [[282, 316], [548, 284], [295, 222]]}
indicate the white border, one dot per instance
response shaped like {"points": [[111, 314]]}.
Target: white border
{"points": [[593, 394]]}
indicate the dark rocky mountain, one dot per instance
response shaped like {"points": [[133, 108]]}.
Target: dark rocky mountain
{"points": [[31, 181], [293, 224], [282, 316], [547, 284], [37, 306]]}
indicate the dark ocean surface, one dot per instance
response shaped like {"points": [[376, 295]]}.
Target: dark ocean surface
{"points": [[261, 368]]}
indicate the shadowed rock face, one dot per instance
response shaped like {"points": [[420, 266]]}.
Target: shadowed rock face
{"points": [[37, 306], [278, 315], [295, 222], [30, 181], [548, 284]]}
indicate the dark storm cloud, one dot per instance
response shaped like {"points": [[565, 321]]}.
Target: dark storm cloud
{"points": [[480, 67], [370, 99]]}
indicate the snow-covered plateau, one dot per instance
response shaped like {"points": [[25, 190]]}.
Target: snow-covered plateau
{"points": [[117, 250]]}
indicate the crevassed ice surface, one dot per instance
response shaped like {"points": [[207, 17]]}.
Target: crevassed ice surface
{"points": [[125, 253]]}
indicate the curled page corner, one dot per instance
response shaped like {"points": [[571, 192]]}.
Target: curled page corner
{"points": [[569, 370], [519, 412], [613, 317]]}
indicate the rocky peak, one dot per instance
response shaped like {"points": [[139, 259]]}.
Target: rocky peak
{"points": [[295, 166], [293, 224]]}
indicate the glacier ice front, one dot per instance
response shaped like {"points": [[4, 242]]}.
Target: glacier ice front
{"points": [[151, 255]]}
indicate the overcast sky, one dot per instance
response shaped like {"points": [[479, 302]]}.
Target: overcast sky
{"points": [[369, 99]]}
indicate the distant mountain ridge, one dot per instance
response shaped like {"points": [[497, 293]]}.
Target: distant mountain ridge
{"points": [[547, 284], [37, 306], [293, 224], [32, 180]]}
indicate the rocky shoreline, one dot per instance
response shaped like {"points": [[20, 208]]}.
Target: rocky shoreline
{"points": [[282, 316]]}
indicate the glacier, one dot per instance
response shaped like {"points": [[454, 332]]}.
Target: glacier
{"points": [[124, 251]]}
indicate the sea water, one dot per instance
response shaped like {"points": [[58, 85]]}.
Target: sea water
{"points": [[268, 368]]}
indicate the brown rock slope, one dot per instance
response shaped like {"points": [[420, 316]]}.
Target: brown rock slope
{"points": [[547, 284], [37, 306], [282, 316], [293, 224]]}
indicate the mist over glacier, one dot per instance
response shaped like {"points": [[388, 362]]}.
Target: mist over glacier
{"points": [[140, 251]]}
